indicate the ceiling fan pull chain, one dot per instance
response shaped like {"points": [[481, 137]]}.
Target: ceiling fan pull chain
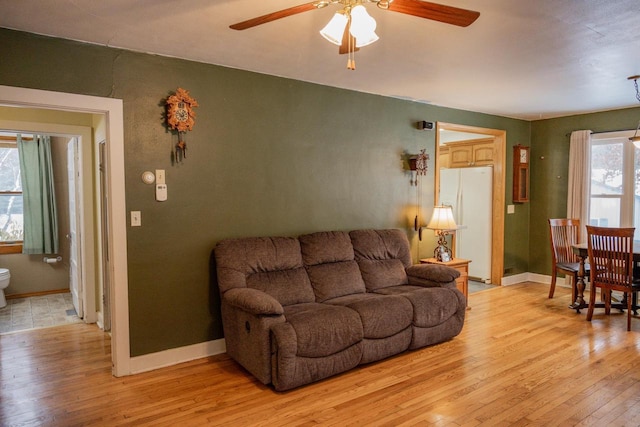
{"points": [[351, 61]]}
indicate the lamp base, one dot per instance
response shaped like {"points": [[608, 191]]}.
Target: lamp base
{"points": [[442, 252]]}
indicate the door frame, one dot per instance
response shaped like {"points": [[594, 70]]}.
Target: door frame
{"points": [[112, 110], [498, 206], [77, 232]]}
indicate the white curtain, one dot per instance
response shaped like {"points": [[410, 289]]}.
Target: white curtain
{"points": [[579, 183]]}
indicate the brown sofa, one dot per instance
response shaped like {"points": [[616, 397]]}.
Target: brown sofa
{"points": [[297, 310]]}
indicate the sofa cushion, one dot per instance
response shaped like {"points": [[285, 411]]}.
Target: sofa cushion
{"points": [[381, 244], [270, 264], [433, 272], [398, 290], [335, 280], [286, 286], [326, 247], [381, 315], [431, 306], [329, 259], [383, 256], [253, 301], [322, 329], [382, 273]]}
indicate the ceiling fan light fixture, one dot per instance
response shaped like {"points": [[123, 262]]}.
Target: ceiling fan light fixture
{"points": [[334, 30], [362, 26]]}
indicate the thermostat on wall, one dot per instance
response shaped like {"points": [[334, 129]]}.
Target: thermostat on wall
{"points": [[161, 192]]}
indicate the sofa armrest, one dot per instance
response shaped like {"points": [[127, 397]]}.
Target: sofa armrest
{"points": [[432, 275], [253, 301]]}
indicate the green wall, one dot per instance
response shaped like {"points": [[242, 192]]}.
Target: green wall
{"points": [[267, 156], [549, 165]]}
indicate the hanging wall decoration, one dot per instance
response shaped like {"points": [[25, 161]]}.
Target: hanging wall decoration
{"points": [[418, 165], [181, 117], [421, 163]]}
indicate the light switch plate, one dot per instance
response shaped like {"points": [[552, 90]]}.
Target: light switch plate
{"points": [[511, 209], [160, 178], [136, 219]]}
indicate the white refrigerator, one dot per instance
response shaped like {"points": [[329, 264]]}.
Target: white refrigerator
{"points": [[469, 192]]}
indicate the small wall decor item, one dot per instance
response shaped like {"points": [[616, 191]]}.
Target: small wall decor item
{"points": [[181, 117], [520, 174], [418, 164]]}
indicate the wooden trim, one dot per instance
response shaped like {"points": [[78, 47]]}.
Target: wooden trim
{"points": [[14, 139], [466, 142], [10, 248], [38, 294], [499, 184]]}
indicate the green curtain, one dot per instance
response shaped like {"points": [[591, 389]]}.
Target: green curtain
{"points": [[40, 217]]}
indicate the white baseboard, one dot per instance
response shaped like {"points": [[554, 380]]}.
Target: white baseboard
{"points": [[541, 278], [161, 359], [535, 277], [516, 278]]}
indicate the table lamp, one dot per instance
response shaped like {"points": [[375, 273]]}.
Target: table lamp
{"points": [[442, 222]]}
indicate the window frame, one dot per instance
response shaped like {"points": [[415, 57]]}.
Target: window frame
{"points": [[627, 194], [15, 246]]}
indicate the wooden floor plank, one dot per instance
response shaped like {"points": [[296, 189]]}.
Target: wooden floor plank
{"points": [[521, 359]]}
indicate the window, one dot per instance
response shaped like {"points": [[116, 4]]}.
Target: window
{"points": [[11, 206], [615, 175]]}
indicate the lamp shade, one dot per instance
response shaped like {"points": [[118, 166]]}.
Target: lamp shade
{"points": [[442, 219], [362, 26], [334, 30]]}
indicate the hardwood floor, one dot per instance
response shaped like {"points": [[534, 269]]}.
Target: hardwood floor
{"points": [[521, 359]]}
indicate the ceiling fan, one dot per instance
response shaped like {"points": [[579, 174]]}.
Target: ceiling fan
{"points": [[352, 27]]}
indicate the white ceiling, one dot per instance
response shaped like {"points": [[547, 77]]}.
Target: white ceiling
{"points": [[526, 59]]}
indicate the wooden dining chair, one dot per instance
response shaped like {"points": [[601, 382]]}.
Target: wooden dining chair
{"points": [[611, 259], [564, 233]]}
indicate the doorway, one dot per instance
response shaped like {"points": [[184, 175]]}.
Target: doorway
{"points": [[73, 266], [498, 148], [107, 115]]}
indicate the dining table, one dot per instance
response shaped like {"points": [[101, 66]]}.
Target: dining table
{"points": [[582, 251]]}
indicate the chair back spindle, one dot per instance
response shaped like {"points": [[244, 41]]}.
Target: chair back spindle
{"points": [[564, 233], [611, 259]]}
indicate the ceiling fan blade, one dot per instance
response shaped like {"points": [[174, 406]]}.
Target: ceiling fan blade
{"points": [[344, 47], [273, 16], [437, 12]]}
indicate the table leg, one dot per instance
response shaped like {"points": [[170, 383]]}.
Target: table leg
{"points": [[580, 285]]}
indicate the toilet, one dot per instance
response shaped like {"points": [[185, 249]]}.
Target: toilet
{"points": [[5, 276]]}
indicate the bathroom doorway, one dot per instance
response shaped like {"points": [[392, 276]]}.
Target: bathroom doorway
{"points": [[107, 114], [73, 266]]}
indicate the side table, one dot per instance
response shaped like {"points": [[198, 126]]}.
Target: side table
{"points": [[462, 265]]}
